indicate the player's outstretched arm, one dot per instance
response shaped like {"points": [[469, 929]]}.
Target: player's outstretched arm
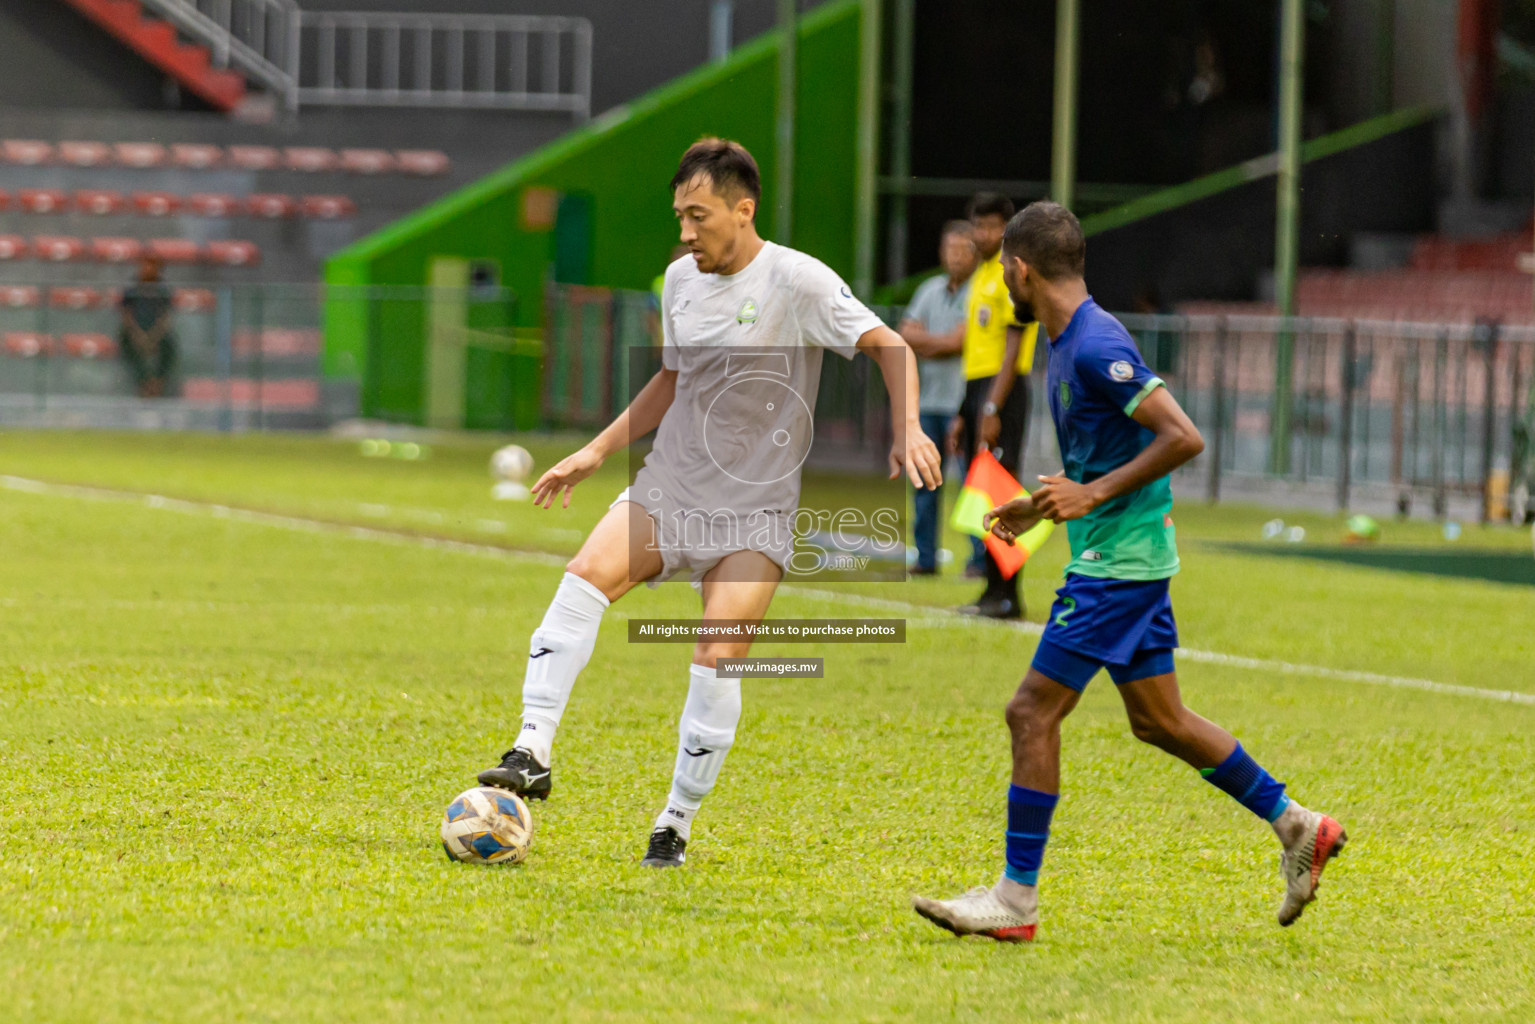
{"points": [[913, 450], [643, 415], [1177, 441]]}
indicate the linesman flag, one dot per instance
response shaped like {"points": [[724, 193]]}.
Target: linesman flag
{"points": [[988, 485]]}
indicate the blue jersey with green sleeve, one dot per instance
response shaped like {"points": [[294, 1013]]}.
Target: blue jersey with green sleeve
{"points": [[1096, 379]]}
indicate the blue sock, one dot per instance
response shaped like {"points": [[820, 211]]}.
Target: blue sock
{"points": [[1028, 826], [1248, 784]]}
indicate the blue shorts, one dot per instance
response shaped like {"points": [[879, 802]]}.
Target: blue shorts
{"points": [[1124, 625]]}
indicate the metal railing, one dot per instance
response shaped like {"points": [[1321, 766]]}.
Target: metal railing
{"points": [[1383, 414], [259, 38], [247, 357], [505, 62]]}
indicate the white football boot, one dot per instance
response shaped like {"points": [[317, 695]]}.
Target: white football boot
{"points": [[1310, 840], [980, 912]]}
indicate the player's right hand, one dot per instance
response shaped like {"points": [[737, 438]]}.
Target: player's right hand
{"points": [[1012, 520], [563, 476]]}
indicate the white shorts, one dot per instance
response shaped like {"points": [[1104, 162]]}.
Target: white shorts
{"points": [[692, 541]]}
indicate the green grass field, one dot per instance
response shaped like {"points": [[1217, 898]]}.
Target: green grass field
{"points": [[225, 745]]}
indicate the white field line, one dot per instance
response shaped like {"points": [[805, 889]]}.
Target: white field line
{"points": [[927, 614]]}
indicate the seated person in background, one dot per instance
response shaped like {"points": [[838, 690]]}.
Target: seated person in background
{"points": [[934, 326], [145, 339]]}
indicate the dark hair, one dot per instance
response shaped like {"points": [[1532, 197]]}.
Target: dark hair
{"points": [[1047, 237], [732, 171], [955, 227], [983, 203]]}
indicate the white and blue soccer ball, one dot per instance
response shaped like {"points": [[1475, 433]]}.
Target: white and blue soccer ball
{"points": [[512, 462], [486, 825]]}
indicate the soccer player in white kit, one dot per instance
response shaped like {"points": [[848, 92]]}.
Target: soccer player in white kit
{"points": [[744, 323]]}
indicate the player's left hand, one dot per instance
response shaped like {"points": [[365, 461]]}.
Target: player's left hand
{"points": [[1061, 499], [919, 458]]}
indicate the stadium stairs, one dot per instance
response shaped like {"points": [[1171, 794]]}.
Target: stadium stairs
{"points": [[83, 194], [155, 40]]}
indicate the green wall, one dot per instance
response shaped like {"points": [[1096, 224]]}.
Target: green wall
{"points": [[612, 176]]}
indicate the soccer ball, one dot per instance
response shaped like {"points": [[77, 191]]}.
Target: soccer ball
{"points": [[486, 825], [512, 463]]}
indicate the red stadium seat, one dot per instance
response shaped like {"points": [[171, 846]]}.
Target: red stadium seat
{"points": [[156, 204], [111, 249], [28, 344], [175, 250], [367, 161], [71, 297], [43, 200], [5, 199], [12, 247], [309, 158], [422, 161], [194, 300], [57, 248], [214, 204], [139, 154], [232, 252], [100, 201], [89, 345], [196, 155], [328, 207], [27, 152], [19, 296], [85, 154], [270, 205], [253, 158]]}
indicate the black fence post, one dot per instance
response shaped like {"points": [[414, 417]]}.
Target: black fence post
{"points": [[1346, 419], [1218, 431], [1489, 412]]}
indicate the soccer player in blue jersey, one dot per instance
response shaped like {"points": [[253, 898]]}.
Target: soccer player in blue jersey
{"points": [[1121, 434]]}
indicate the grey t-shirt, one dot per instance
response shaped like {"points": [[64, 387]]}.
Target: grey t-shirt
{"points": [[942, 381], [146, 302]]}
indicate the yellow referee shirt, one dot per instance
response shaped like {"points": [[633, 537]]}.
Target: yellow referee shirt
{"points": [[989, 316]]}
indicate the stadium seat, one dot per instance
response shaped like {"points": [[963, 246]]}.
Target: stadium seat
{"points": [[112, 249], [276, 341], [194, 300], [58, 248], [214, 204], [43, 200], [195, 155], [156, 204], [73, 297], [26, 152], [327, 207], [422, 161], [232, 252], [28, 344], [309, 158], [85, 154], [139, 154], [174, 250], [5, 199], [99, 201], [253, 158], [12, 247], [89, 345], [270, 205], [367, 161], [20, 296]]}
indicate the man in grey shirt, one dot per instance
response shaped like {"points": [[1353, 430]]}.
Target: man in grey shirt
{"points": [[934, 326]]}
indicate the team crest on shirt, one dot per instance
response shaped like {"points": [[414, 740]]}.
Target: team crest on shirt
{"points": [[1065, 395], [1121, 371], [747, 314], [983, 315]]}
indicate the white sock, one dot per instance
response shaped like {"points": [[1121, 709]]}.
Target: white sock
{"points": [[705, 733], [1015, 896], [560, 649]]}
